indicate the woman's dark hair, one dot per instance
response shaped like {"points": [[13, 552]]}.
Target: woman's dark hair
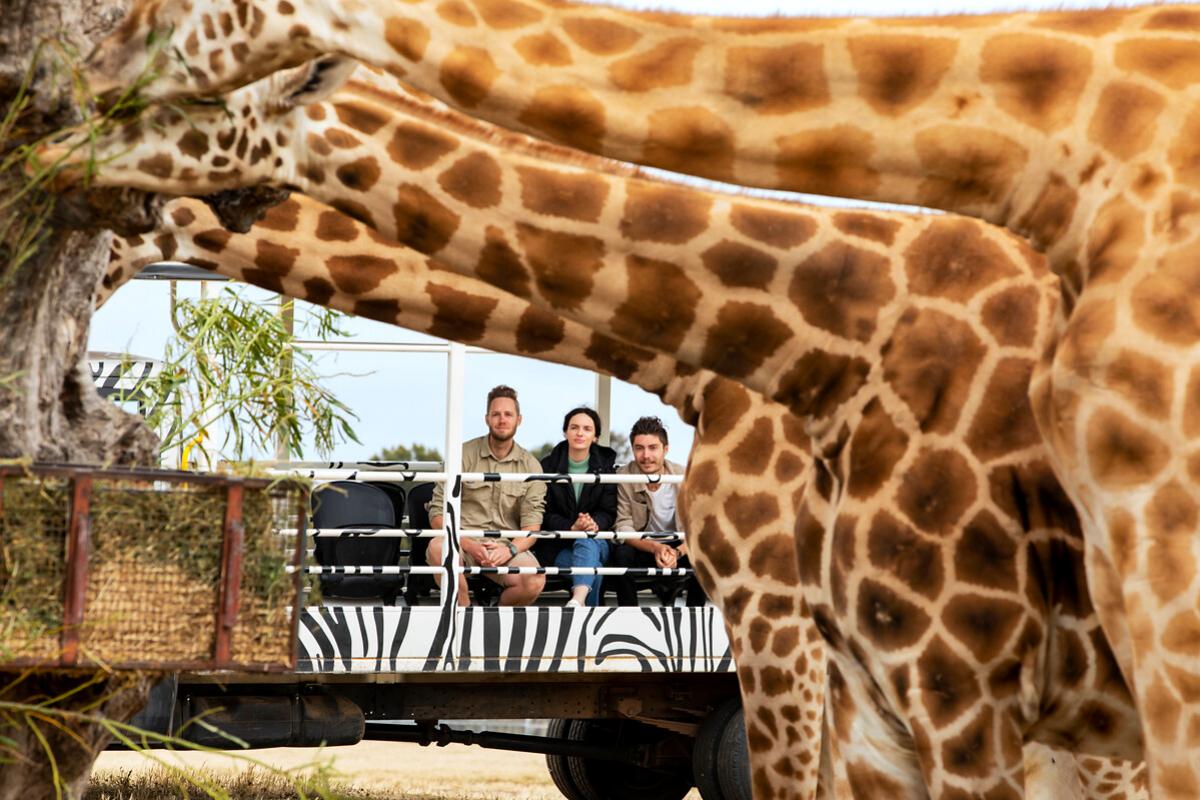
{"points": [[591, 412]]}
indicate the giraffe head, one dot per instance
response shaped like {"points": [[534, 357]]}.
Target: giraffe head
{"points": [[201, 147], [171, 48]]}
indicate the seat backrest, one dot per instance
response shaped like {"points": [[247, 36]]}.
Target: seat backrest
{"points": [[347, 504]]}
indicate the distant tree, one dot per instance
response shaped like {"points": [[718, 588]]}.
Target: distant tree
{"points": [[403, 452], [542, 450], [620, 442]]}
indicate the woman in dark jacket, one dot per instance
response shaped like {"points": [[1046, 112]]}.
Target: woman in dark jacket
{"points": [[579, 507]]}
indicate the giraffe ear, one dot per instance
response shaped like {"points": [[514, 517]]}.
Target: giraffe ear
{"points": [[314, 82]]}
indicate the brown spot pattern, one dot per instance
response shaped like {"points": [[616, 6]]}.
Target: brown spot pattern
{"points": [[660, 304], [772, 227], [753, 453], [890, 621], [422, 222], [660, 213], [459, 315], [931, 361], [572, 195], [1172, 62], [737, 264], [335, 227], [937, 490], [743, 337], [419, 146], [467, 75], [1036, 79], [358, 274], [876, 447], [897, 73], [1121, 453], [820, 382], [539, 330], [360, 174], [834, 161], [1005, 424], [474, 180], [543, 50], [966, 168], [501, 266], [506, 14], [953, 258], [406, 36], [361, 116], [867, 226], [777, 80], [667, 64], [564, 264], [600, 36], [566, 114], [691, 140], [1125, 118], [896, 548], [841, 289]]}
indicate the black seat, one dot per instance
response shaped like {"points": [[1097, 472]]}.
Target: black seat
{"points": [[483, 588], [347, 504]]}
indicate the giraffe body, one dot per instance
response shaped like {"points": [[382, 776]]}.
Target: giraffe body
{"points": [[738, 435], [880, 342]]}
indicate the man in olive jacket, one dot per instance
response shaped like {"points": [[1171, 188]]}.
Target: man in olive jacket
{"points": [[495, 505]]}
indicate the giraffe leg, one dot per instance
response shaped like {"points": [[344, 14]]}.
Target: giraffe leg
{"points": [[1135, 486], [872, 755]]}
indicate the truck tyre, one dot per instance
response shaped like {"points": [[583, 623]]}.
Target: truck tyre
{"points": [[733, 760], [560, 770], [609, 780], [704, 753]]}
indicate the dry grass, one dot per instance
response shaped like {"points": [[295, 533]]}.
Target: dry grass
{"points": [[366, 771]]}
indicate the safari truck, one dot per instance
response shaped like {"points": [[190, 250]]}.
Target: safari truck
{"points": [[641, 702]]}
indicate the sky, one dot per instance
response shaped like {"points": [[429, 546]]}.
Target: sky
{"points": [[400, 398]]}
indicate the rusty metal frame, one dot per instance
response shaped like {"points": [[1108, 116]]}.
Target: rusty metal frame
{"points": [[78, 549]]}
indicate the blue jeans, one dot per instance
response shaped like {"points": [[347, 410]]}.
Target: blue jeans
{"points": [[585, 553]]}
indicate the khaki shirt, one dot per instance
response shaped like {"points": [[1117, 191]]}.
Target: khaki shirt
{"points": [[495, 506], [633, 499]]}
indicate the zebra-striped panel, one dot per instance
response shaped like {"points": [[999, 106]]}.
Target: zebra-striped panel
{"points": [[529, 639]]}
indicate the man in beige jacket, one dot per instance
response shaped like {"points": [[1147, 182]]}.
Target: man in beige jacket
{"points": [[496, 506], [649, 507]]}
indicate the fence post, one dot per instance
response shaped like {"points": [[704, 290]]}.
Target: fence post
{"points": [[232, 550], [79, 547]]}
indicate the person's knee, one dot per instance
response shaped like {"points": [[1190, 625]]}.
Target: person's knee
{"points": [[433, 555]]}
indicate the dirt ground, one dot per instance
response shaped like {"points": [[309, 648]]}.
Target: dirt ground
{"points": [[383, 770]]}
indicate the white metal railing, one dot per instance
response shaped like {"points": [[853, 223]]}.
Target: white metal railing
{"points": [[450, 534]]}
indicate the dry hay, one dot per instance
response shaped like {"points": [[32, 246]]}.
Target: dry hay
{"points": [[154, 571], [142, 610]]}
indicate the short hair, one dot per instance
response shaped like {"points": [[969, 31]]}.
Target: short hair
{"points": [[591, 412], [503, 391], [649, 426]]}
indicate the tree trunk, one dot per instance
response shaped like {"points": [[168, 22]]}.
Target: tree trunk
{"points": [[49, 409]]}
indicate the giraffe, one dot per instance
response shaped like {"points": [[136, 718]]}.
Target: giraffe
{"points": [[396, 286], [363, 273], [891, 360], [1076, 129]]}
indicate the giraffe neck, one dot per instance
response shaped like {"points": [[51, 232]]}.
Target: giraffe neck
{"points": [[962, 113], [793, 301], [361, 273]]}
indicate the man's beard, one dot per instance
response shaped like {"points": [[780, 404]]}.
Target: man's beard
{"points": [[496, 437]]}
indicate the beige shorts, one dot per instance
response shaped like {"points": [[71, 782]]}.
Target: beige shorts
{"points": [[522, 559]]}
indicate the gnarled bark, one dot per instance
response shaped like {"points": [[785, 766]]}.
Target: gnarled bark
{"points": [[49, 409]]}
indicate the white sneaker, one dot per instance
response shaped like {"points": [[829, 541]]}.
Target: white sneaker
{"points": [[573, 603]]}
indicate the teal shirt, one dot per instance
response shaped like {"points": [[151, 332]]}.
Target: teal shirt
{"points": [[577, 468]]}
